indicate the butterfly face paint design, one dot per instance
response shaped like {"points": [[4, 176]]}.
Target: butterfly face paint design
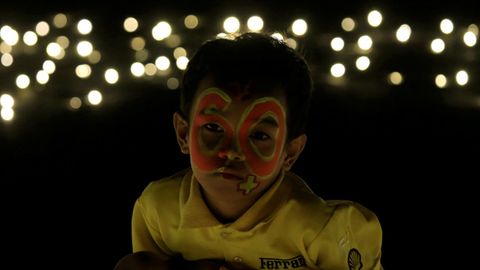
{"points": [[259, 135]]}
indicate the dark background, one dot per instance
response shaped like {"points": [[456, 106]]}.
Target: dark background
{"points": [[68, 179]]}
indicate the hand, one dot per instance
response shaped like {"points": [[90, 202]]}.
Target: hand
{"points": [[142, 260], [235, 266], [206, 265]]}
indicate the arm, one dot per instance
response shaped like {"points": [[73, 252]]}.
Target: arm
{"points": [[145, 260]]}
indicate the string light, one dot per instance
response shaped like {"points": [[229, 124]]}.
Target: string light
{"points": [[153, 59]]}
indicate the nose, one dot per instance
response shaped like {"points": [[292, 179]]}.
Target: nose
{"points": [[231, 153]]}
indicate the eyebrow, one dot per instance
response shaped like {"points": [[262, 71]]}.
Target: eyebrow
{"points": [[269, 120]]}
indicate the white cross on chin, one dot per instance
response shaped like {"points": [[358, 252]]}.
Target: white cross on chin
{"points": [[248, 185]]}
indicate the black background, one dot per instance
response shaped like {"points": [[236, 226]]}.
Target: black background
{"points": [[69, 178]]}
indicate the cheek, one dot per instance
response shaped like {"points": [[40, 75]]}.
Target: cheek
{"points": [[205, 145], [263, 158]]}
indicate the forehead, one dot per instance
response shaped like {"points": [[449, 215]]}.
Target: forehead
{"points": [[244, 93]]}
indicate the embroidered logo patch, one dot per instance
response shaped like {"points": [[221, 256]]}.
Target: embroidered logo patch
{"points": [[274, 263], [354, 260]]}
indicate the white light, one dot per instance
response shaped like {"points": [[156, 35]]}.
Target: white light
{"points": [[337, 44], [365, 42], [42, 28], [231, 25], [130, 24], [470, 39], [22, 81], [299, 27], [137, 43], [395, 78], [5, 48], [94, 57], [224, 36], [441, 81], [9, 35], [60, 20], [182, 62], [403, 33], [94, 97], [7, 113], [374, 18], [348, 24], [473, 28], [30, 38], [362, 63], [173, 41], [42, 77], [142, 55], [84, 27], [150, 69], [49, 66], [54, 49], [179, 51], [437, 45], [162, 63], [75, 103], [255, 23], [83, 71], [461, 77], [173, 83], [137, 69], [161, 31], [7, 100], [7, 60], [63, 41], [291, 43], [191, 21], [337, 70], [84, 48], [277, 36], [446, 26], [111, 76]]}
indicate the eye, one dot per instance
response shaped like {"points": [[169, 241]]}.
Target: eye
{"points": [[260, 136], [212, 127]]}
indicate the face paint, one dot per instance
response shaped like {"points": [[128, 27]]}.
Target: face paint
{"points": [[209, 153], [261, 164], [210, 100], [248, 185]]}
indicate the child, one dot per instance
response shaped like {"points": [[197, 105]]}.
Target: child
{"points": [[244, 105]]}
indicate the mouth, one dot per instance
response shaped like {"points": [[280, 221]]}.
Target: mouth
{"points": [[230, 176], [226, 174]]}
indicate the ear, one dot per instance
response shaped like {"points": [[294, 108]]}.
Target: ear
{"points": [[293, 150], [181, 131]]}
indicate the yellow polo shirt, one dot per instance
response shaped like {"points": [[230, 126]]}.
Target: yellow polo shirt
{"points": [[289, 227]]}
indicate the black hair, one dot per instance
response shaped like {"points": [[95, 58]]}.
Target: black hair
{"points": [[253, 58]]}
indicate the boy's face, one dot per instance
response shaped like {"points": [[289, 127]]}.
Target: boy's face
{"points": [[236, 139]]}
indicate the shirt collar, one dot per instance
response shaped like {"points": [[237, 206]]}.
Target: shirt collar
{"points": [[194, 212]]}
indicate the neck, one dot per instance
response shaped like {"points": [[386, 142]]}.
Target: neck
{"points": [[227, 211]]}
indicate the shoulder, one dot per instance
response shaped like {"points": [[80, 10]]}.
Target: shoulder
{"points": [[335, 212], [352, 212], [163, 190], [354, 231]]}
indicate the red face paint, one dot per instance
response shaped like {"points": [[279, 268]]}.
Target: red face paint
{"points": [[262, 164], [204, 157], [208, 151]]}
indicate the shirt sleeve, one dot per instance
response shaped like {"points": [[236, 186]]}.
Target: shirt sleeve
{"points": [[144, 236], [351, 239]]}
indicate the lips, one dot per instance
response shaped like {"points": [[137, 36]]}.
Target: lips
{"points": [[231, 176], [228, 173]]}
